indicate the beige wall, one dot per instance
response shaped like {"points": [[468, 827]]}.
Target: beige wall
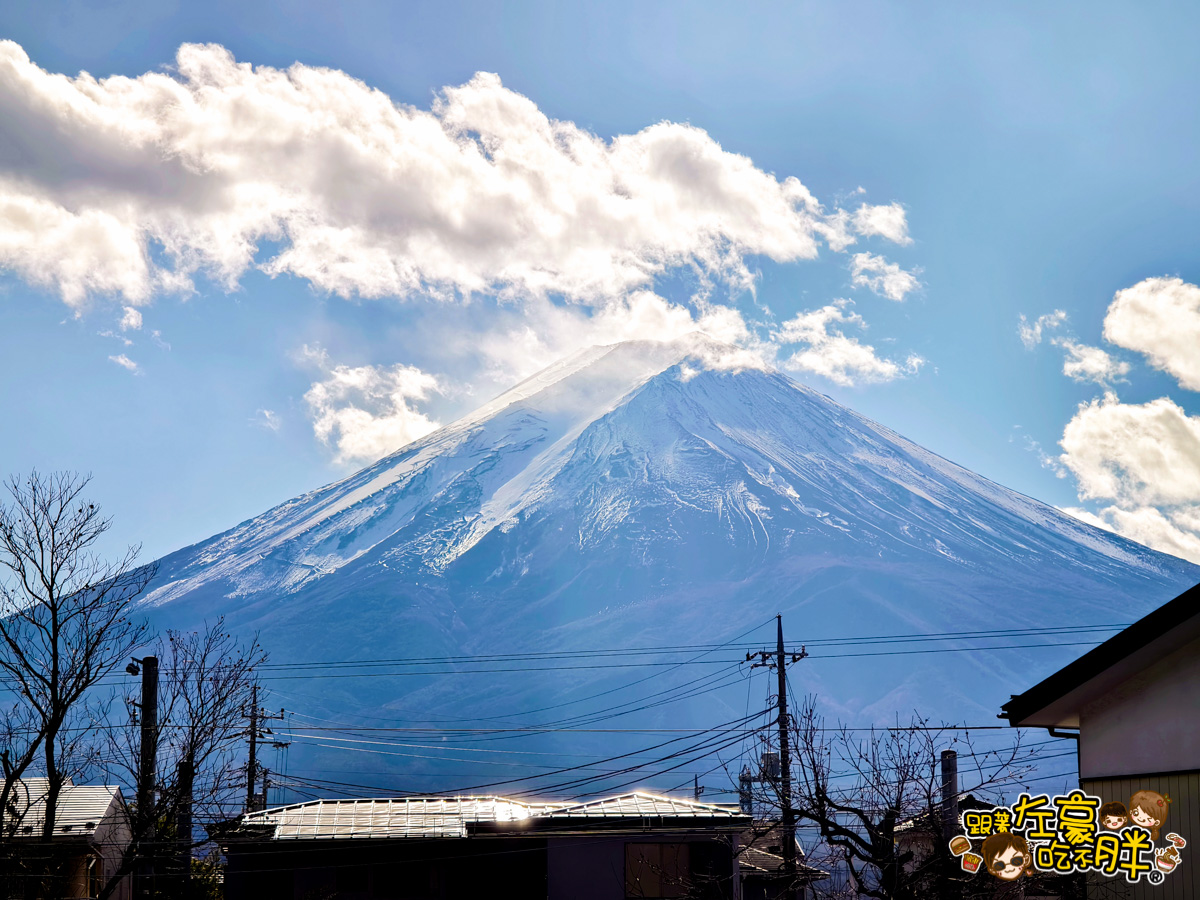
{"points": [[1183, 818], [1150, 724], [111, 838]]}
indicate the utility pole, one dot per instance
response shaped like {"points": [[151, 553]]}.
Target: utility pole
{"points": [[256, 716], [787, 814], [149, 754], [785, 764], [147, 766], [183, 819], [252, 763]]}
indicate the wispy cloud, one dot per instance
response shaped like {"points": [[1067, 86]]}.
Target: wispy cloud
{"points": [[882, 277], [366, 412], [131, 319], [889, 222], [1031, 334], [268, 419], [126, 363], [1083, 363], [829, 352]]}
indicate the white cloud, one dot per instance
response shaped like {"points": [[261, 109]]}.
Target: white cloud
{"points": [[882, 277], [1177, 533], [366, 412], [886, 221], [362, 196], [1031, 335], [268, 419], [513, 344], [1145, 459], [1083, 363], [1160, 317], [833, 355], [126, 363], [131, 319], [1138, 454], [109, 333]]}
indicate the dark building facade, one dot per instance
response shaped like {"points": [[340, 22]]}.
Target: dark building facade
{"points": [[433, 848]]}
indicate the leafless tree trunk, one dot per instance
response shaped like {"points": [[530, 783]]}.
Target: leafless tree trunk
{"points": [[64, 624]]}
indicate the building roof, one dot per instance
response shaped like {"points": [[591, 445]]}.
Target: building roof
{"points": [[388, 817], [640, 805], [932, 819], [80, 809], [1056, 701], [755, 862], [402, 817], [759, 855]]}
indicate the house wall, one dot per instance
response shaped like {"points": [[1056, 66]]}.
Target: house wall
{"points": [[1183, 818], [401, 869], [580, 867], [111, 839], [592, 867], [1148, 724]]}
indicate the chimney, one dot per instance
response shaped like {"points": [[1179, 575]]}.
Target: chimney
{"points": [[949, 793]]}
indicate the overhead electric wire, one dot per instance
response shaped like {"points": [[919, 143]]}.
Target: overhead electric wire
{"points": [[724, 728], [545, 656]]}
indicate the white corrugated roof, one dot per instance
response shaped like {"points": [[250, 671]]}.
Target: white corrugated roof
{"points": [[449, 816], [81, 807], [638, 804], [390, 817]]}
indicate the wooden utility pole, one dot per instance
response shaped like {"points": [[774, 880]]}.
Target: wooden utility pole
{"points": [[149, 753], [146, 772], [252, 762], [785, 764], [256, 716], [183, 819], [787, 814]]}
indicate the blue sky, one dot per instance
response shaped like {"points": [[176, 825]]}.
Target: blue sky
{"points": [[244, 268]]}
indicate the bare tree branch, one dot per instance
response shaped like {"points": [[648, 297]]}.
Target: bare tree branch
{"points": [[64, 624]]}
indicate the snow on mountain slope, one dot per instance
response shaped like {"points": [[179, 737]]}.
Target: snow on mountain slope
{"points": [[484, 470], [649, 494], [509, 446]]}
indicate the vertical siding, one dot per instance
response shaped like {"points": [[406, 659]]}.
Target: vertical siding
{"points": [[1183, 818]]}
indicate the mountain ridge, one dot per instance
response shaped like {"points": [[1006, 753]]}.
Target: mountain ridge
{"points": [[661, 495]]}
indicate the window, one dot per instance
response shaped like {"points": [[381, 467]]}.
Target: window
{"points": [[656, 871], [95, 880]]}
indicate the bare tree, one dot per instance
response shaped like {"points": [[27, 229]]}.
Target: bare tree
{"points": [[64, 624], [208, 683], [875, 800]]}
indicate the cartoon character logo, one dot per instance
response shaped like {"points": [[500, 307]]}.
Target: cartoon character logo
{"points": [[1149, 809], [1113, 816], [1007, 855]]}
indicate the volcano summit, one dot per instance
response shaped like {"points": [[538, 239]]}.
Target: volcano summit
{"points": [[657, 495]]}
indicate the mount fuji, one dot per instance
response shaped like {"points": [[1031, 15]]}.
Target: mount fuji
{"points": [[653, 495]]}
